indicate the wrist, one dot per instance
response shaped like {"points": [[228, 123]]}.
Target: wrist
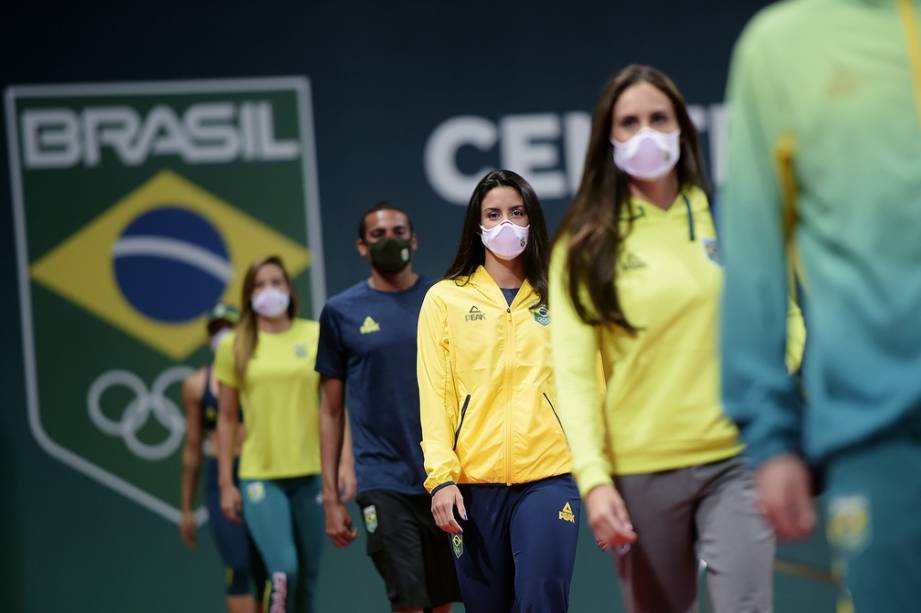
{"points": [[329, 493], [591, 477], [597, 489], [441, 486]]}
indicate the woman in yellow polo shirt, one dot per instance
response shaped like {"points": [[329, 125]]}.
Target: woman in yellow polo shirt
{"points": [[496, 457], [267, 364], [635, 273]]}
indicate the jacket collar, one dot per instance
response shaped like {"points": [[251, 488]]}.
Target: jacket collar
{"points": [[641, 209], [486, 285]]}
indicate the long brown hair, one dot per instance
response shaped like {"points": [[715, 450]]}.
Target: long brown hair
{"points": [[247, 329], [591, 227], [471, 253]]}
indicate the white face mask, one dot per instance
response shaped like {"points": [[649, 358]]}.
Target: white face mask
{"points": [[270, 302], [648, 154], [216, 339], [506, 240]]}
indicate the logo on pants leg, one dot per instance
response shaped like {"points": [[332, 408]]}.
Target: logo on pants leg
{"points": [[255, 491], [370, 513], [457, 542], [567, 515], [849, 522], [279, 592]]}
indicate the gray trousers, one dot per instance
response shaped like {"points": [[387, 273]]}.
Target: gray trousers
{"points": [[706, 512]]}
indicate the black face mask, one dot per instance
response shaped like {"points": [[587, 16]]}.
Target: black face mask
{"points": [[390, 255]]}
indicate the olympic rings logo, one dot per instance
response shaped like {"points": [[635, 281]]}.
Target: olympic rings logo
{"points": [[136, 413]]}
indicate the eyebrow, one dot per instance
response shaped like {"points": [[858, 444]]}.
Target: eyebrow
{"points": [[652, 112], [498, 210]]}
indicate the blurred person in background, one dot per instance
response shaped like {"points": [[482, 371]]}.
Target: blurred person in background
{"points": [[825, 174], [244, 574], [267, 364], [636, 275], [367, 351]]}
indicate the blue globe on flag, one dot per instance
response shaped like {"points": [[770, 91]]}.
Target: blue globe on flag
{"points": [[171, 264]]}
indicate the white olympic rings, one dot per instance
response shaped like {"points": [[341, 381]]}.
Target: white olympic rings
{"points": [[135, 415]]}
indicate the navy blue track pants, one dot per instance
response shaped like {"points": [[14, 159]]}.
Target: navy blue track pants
{"points": [[518, 547]]}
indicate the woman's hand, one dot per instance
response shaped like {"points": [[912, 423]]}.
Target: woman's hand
{"points": [[231, 503], [607, 515], [443, 503], [188, 529]]}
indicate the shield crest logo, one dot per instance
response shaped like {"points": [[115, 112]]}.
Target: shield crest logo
{"points": [[136, 210], [849, 522], [457, 543], [370, 513], [541, 314], [712, 249]]}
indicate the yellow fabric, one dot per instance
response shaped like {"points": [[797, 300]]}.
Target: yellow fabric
{"points": [[661, 409], [910, 21], [474, 347], [281, 397]]}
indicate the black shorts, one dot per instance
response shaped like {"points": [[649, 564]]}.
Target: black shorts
{"points": [[410, 552]]}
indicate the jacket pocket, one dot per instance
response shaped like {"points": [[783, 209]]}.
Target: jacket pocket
{"points": [[460, 423], [553, 410]]}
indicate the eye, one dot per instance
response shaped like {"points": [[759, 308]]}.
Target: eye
{"points": [[628, 122], [659, 118], [519, 212], [492, 215]]}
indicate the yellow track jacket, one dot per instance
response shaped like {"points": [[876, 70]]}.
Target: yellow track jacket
{"points": [[661, 409], [486, 389]]}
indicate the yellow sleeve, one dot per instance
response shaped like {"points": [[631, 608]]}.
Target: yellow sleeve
{"points": [[435, 404], [579, 384], [224, 362]]}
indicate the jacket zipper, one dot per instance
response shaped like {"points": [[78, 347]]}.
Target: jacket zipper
{"points": [[460, 424], [509, 348]]}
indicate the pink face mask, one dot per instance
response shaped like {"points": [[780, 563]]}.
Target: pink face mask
{"points": [[270, 302], [648, 154], [506, 240]]}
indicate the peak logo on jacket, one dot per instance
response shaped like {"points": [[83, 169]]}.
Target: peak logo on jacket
{"points": [[475, 314]]}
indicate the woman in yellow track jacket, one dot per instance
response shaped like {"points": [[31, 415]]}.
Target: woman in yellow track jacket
{"points": [[494, 446], [636, 274]]}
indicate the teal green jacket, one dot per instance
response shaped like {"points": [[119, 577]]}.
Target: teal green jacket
{"points": [[824, 179]]}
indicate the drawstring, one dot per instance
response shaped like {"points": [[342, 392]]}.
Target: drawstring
{"points": [[692, 233]]}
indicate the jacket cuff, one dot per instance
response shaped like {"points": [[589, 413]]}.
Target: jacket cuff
{"points": [[591, 477], [759, 452], [441, 486]]}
